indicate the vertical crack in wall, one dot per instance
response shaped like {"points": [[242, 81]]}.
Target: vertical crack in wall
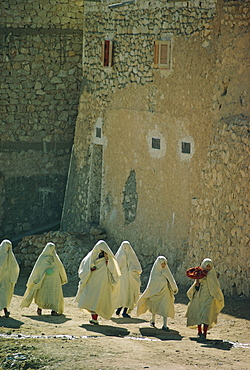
{"points": [[130, 198]]}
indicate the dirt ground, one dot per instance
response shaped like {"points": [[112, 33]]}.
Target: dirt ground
{"points": [[28, 341]]}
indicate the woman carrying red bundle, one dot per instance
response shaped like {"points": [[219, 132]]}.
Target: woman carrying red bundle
{"points": [[206, 298]]}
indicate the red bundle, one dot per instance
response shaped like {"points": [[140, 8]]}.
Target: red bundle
{"points": [[196, 272]]}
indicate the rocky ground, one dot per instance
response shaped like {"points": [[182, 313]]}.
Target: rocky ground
{"points": [[67, 342]]}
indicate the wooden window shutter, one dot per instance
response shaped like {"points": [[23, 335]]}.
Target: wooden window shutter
{"points": [[156, 54], [107, 53], [162, 55], [111, 44]]}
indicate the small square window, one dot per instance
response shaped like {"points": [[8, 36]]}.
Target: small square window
{"points": [[98, 132], [156, 143], [185, 147]]}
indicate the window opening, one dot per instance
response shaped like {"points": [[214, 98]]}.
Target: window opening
{"points": [[107, 53], [162, 54], [156, 143], [98, 132], [185, 147]]}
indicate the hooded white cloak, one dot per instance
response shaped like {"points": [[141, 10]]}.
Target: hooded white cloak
{"points": [[98, 289], [45, 281], [158, 296], [206, 303], [130, 276], [9, 272]]}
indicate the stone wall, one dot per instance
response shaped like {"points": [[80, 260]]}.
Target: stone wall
{"points": [[220, 219], [220, 224], [71, 248], [134, 30], [133, 102], [41, 72]]}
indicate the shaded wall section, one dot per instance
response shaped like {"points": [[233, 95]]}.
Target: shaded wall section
{"points": [[41, 72], [33, 178]]}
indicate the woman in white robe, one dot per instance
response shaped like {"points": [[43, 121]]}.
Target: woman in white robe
{"points": [[130, 279], [99, 275], [45, 282], [158, 297], [206, 300], [9, 272]]}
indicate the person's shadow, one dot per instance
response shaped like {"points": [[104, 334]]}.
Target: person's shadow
{"points": [[111, 331], [10, 323], [161, 334], [214, 343], [49, 318], [127, 320]]}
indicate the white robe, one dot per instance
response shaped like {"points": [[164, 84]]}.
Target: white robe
{"points": [[45, 282], [206, 303], [130, 276], [98, 289], [9, 272], [158, 297]]}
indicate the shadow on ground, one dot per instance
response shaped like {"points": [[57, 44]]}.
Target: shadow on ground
{"points": [[48, 318], [106, 330], [123, 320], [161, 334], [214, 343], [10, 323]]}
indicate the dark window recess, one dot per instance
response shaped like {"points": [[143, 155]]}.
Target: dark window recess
{"points": [[98, 132], [156, 143], [186, 147], [107, 53]]}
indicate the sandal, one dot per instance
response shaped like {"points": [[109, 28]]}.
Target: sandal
{"points": [[95, 322], [39, 311], [126, 316], [165, 328], [6, 313], [54, 313], [201, 336]]}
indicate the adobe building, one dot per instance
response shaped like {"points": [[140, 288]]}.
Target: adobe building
{"points": [[161, 144], [40, 82]]}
